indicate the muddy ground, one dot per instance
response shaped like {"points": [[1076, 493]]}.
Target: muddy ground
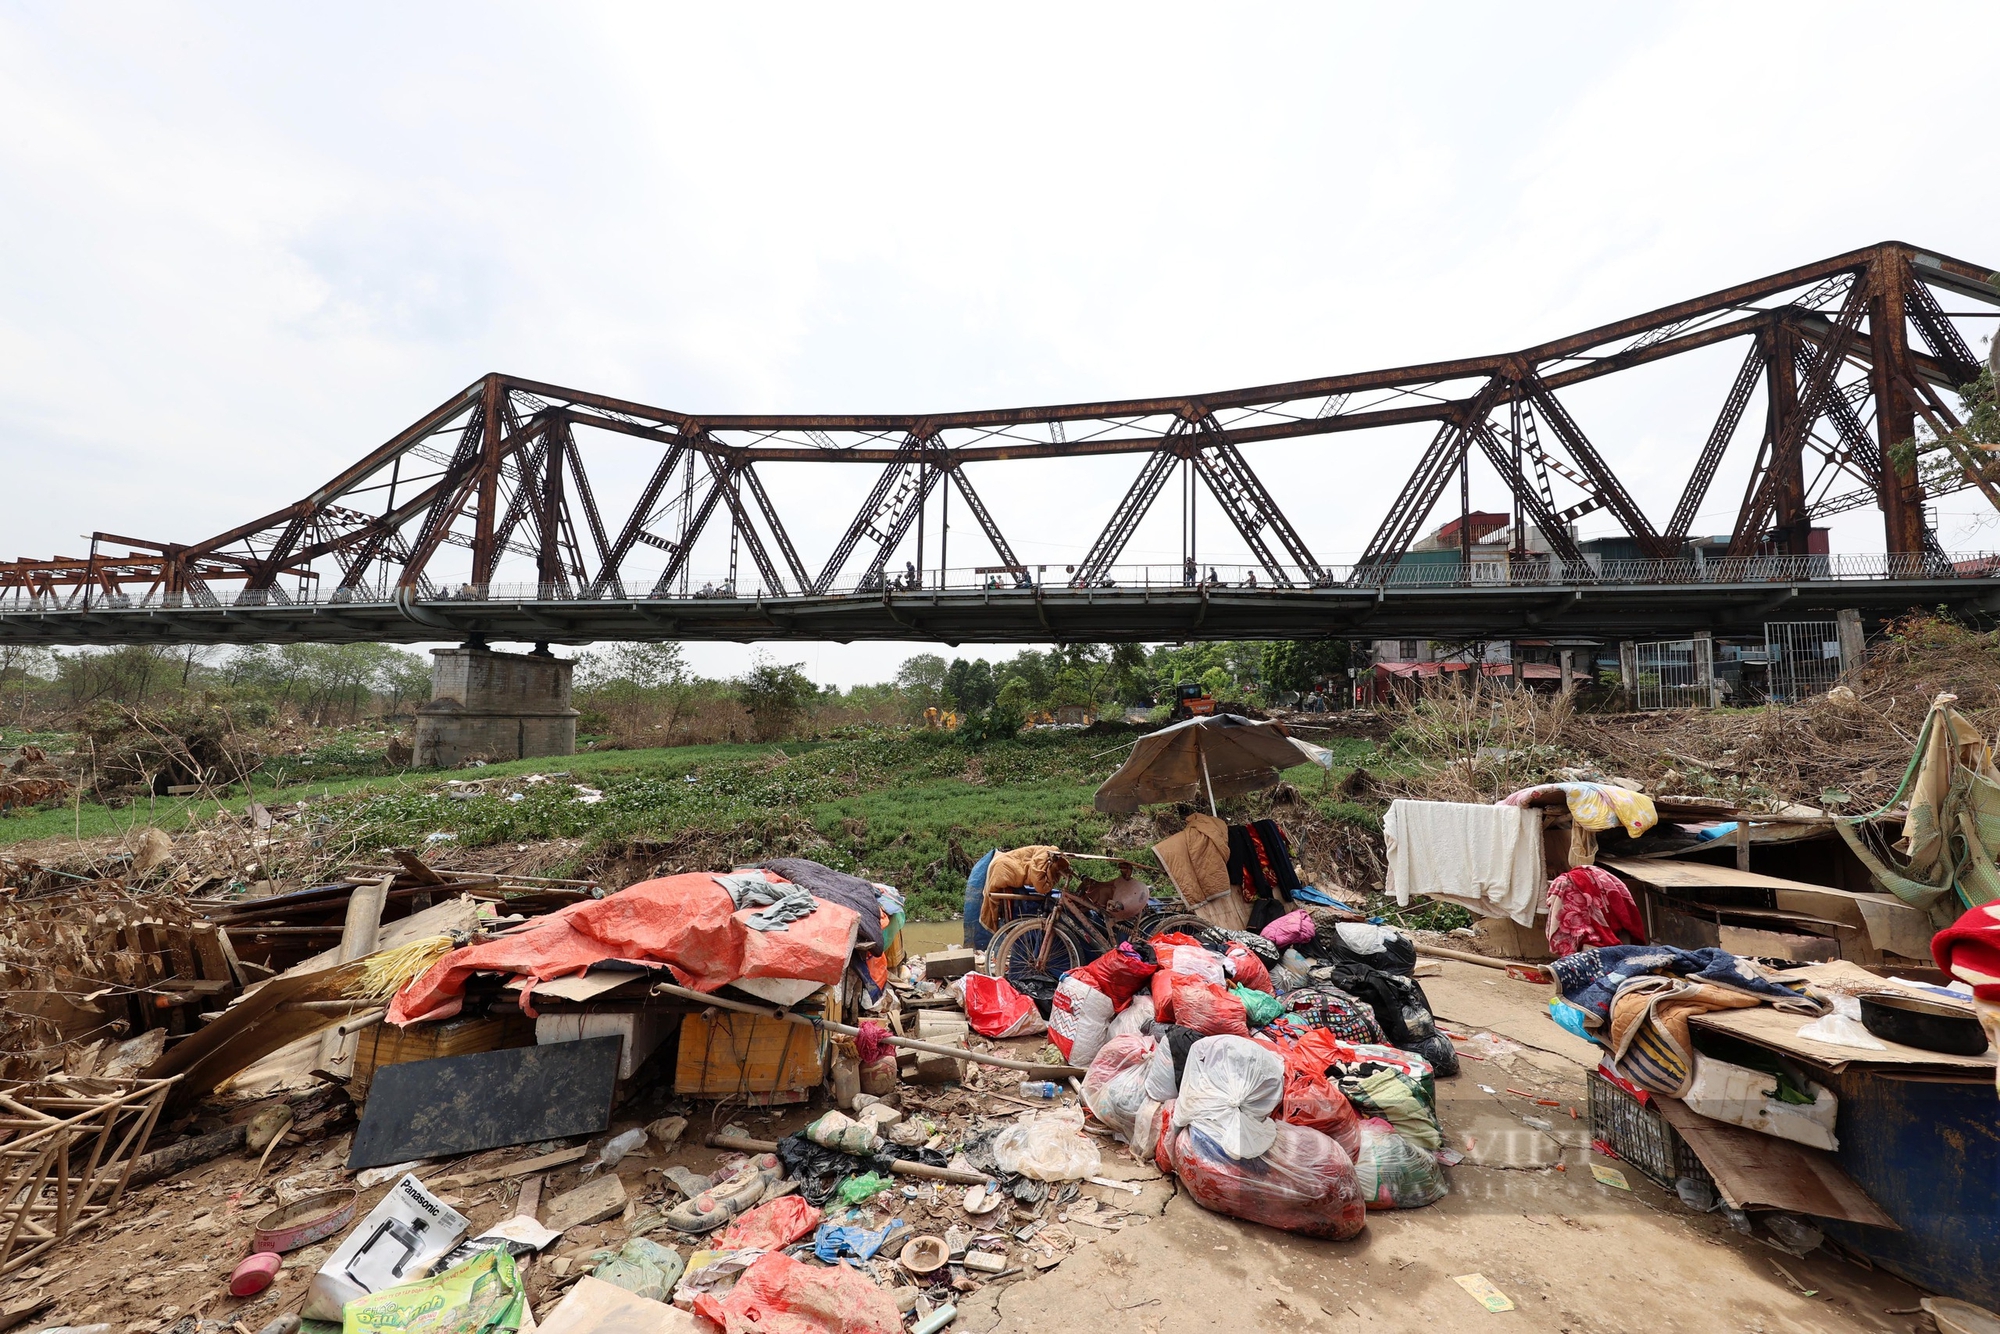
{"points": [[1573, 1254]]}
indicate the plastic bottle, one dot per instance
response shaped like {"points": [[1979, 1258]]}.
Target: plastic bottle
{"points": [[1040, 1088], [614, 1151]]}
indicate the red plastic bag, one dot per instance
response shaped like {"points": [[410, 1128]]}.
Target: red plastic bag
{"points": [[1250, 970], [1169, 939], [996, 1009], [1305, 1182], [773, 1226], [1117, 973], [1163, 1132], [1208, 1009], [1163, 992], [1312, 1101], [778, 1295]]}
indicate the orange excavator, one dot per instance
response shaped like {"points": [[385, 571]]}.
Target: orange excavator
{"points": [[1191, 701]]}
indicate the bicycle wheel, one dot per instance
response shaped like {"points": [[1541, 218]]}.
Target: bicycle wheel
{"points": [[1013, 950], [1158, 924]]}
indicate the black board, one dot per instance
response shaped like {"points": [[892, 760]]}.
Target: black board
{"points": [[462, 1104]]}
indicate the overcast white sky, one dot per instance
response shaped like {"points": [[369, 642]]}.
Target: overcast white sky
{"points": [[245, 244]]}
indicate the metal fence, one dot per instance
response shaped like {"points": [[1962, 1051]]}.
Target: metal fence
{"points": [[1804, 659], [1675, 674]]}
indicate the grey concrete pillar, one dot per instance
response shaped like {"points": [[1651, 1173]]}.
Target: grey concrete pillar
{"points": [[494, 706]]}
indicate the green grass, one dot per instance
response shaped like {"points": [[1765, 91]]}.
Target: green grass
{"points": [[914, 810]]}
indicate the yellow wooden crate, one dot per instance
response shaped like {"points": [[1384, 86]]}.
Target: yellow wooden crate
{"points": [[746, 1056], [385, 1044]]}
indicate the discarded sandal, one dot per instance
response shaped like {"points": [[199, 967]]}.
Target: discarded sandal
{"points": [[719, 1205]]}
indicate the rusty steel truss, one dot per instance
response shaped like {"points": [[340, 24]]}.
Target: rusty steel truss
{"points": [[1850, 353]]}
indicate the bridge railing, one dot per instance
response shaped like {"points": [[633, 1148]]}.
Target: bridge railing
{"points": [[1417, 571]]}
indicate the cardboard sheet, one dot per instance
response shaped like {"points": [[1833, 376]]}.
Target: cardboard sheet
{"points": [[1780, 1032], [1758, 1171]]}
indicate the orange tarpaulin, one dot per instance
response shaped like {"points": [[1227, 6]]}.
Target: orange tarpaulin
{"points": [[686, 922]]}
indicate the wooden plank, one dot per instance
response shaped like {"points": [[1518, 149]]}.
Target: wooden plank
{"points": [[1757, 1171], [207, 942], [733, 1054], [1696, 875], [357, 941], [547, 1162], [591, 1202]]}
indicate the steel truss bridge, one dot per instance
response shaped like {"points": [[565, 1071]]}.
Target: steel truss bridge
{"points": [[1851, 354]]}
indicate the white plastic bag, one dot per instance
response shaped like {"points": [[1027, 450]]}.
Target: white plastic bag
{"points": [[1049, 1146], [1163, 1082], [1145, 1136], [1132, 1019], [1194, 961], [1229, 1090]]}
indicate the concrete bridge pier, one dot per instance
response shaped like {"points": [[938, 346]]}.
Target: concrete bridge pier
{"points": [[495, 706]]}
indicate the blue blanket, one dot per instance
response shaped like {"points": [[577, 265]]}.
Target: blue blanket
{"points": [[1589, 979]]}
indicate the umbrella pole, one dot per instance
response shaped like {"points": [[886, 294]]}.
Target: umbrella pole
{"points": [[1205, 779]]}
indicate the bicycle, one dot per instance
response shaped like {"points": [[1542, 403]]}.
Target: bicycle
{"points": [[1078, 926]]}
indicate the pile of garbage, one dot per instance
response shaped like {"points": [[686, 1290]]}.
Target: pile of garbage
{"points": [[1285, 1076]]}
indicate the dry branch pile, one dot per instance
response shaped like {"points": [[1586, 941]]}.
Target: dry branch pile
{"points": [[1846, 750]]}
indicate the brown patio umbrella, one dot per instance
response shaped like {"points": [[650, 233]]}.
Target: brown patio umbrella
{"points": [[1221, 755]]}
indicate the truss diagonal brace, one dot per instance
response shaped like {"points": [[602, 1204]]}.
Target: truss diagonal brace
{"points": [[610, 575], [1608, 487], [1001, 548], [1138, 499], [1716, 445], [1553, 529]]}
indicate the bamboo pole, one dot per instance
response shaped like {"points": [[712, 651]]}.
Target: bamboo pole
{"points": [[772, 1012]]}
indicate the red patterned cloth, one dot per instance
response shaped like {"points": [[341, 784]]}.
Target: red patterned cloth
{"points": [[1589, 907]]}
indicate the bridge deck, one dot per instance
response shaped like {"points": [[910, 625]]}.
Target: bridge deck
{"points": [[1030, 615]]}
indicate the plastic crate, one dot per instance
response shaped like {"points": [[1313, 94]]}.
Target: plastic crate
{"points": [[1642, 1137]]}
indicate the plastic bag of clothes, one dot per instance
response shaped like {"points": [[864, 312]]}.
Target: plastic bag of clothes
{"points": [[1146, 1126], [1117, 1081], [995, 1009], [1049, 1146], [1437, 1049], [1163, 1071], [1115, 1084], [1259, 1007], [1312, 1101], [1229, 1089], [1303, 1182], [778, 1295], [1117, 973], [1394, 1173], [1208, 1009], [1363, 942], [1132, 1019], [1247, 968], [1080, 1019], [1399, 1100]]}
